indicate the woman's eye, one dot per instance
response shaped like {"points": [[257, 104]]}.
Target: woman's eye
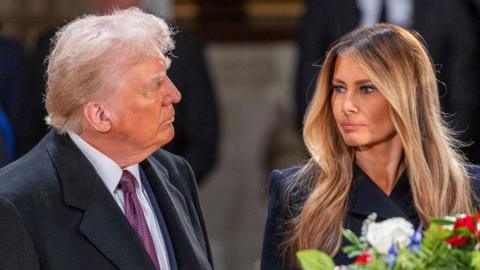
{"points": [[338, 88], [367, 89]]}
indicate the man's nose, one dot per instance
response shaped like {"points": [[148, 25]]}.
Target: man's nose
{"points": [[172, 95]]}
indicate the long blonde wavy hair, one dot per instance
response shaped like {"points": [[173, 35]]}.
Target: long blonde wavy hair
{"points": [[398, 64]]}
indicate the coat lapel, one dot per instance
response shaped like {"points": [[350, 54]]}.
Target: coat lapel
{"points": [[188, 251], [103, 223], [366, 197]]}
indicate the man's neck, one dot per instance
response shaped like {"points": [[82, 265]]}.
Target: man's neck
{"points": [[123, 155]]}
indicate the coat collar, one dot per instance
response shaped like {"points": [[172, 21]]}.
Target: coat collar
{"points": [[188, 250], [366, 197], [103, 223]]}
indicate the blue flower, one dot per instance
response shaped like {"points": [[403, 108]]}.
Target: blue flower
{"points": [[391, 257], [416, 240]]}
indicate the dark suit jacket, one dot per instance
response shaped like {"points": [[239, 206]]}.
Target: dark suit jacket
{"points": [[56, 213], [365, 197], [451, 45]]}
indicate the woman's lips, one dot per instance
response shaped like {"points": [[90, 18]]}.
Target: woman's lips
{"points": [[351, 126]]}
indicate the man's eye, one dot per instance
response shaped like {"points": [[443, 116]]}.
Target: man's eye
{"points": [[367, 89], [338, 88]]}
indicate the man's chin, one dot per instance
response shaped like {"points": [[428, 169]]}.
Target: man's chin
{"points": [[166, 137]]}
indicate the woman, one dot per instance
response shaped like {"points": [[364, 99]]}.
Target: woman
{"points": [[377, 144]]}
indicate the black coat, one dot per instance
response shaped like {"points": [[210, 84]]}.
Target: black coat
{"points": [[56, 213], [365, 197]]}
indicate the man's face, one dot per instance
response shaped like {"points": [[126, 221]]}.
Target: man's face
{"points": [[143, 114]]}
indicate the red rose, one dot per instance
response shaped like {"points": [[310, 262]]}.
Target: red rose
{"points": [[466, 222], [457, 241], [364, 258]]}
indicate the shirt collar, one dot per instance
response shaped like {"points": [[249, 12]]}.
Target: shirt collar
{"points": [[106, 168]]}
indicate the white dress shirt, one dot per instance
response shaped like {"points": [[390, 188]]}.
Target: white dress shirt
{"points": [[399, 12], [110, 173]]}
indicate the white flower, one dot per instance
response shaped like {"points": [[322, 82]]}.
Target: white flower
{"points": [[452, 219], [383, 234]]}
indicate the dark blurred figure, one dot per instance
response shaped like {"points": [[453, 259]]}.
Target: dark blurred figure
{"points": [[447, 28], [7, 141], [196, 119], [12, 72]]}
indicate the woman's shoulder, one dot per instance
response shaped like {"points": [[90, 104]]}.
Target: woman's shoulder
{"points": [[287, 181], [474, 174], [474, 171], [281, 177]]}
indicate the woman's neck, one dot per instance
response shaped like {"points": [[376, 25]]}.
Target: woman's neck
{"points": [[383, 163]]}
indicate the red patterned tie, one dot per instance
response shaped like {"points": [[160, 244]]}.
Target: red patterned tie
{"points": [[134, 214]]}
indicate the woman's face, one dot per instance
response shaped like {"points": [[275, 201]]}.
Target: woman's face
{"points": [[361, 112]]}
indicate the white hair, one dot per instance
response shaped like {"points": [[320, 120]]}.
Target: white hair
{"points": [[90, 55]]}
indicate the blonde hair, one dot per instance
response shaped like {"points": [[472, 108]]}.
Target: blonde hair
{"points": [[398, 64], [91, 54]]}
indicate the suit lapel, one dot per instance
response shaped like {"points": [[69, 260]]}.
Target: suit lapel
{"points": [[172, 204], [103, 223]]}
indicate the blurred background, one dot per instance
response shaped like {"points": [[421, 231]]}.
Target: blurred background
{"points": [[246, 70]]}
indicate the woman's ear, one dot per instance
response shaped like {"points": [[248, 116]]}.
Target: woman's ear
{"points": [[98, 117]]}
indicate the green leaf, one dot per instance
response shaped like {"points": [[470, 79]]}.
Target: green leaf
{"points": [[351, 237], [475, 260], [462, 231], [351, 249], [443, 222], [313, 259]]}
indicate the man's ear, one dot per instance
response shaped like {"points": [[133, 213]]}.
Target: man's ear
{"points": [[98, 117]]}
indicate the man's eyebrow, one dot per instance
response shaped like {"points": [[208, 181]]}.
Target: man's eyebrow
{"points": [[158, 76], [154, 79]]}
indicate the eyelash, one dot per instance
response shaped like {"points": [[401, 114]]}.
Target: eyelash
{"points": [[338, 89], [366, 89]]}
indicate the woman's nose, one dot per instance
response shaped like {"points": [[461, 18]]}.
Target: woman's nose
{"points": [[349, 106]]}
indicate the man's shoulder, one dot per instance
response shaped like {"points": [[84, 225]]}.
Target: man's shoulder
{"points": [[169, 160], [29, 175]]}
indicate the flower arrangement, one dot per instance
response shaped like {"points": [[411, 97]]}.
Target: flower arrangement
{"points": [[449, 243]]}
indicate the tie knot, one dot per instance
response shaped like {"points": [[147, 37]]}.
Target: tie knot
{"points": [[127, 182]]}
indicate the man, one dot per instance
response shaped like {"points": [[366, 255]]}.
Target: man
{"points": [[196, 117], [96, 193]]}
